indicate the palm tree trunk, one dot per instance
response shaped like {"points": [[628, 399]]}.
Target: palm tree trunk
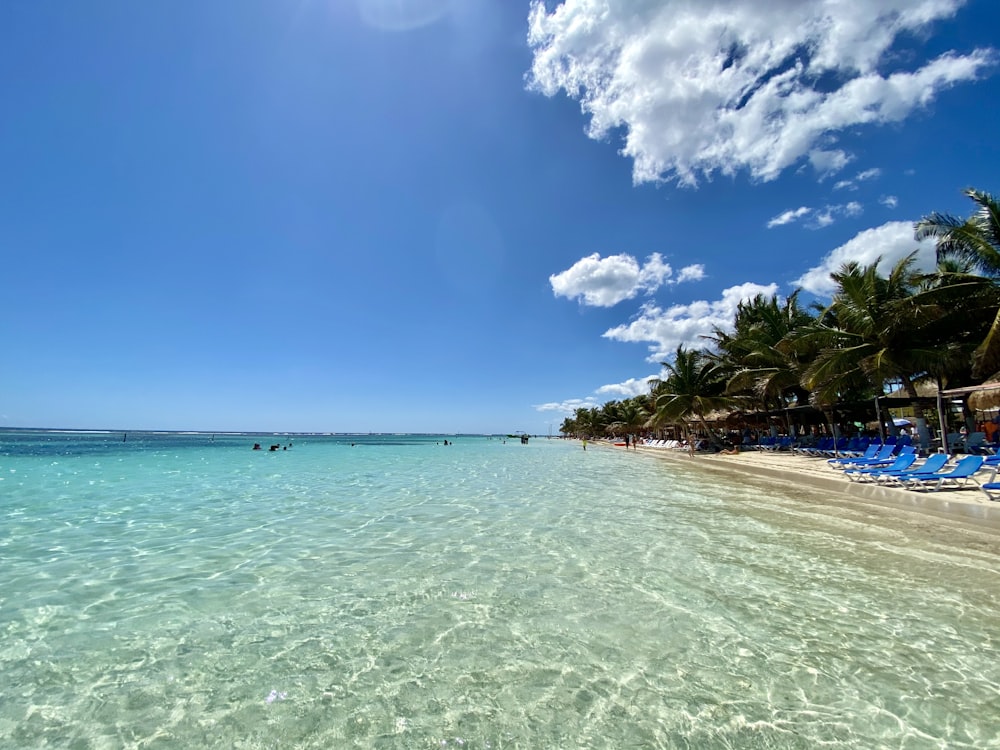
{"points": [[833, 429], [923, 433], [712, 437]]}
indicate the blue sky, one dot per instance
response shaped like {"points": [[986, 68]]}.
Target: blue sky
{"points": [[447, 215]]}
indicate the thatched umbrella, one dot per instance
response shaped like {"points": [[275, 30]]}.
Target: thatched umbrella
{"points": [[986, 397]]}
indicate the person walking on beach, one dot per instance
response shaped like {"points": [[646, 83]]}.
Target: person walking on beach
{"points": [[585, 443]]}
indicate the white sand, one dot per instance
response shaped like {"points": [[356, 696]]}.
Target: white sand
{"points": [[968, 504]]}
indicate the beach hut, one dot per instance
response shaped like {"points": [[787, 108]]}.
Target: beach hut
{"points": [[980, 397]]}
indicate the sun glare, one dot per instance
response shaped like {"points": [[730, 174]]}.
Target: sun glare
{"points": [[402, 15]]}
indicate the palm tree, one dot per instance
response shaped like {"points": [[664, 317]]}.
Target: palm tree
{"points": [[627, 416], [894, 328], [756, 356], [695, 385], [974, 241], [589, 421]]}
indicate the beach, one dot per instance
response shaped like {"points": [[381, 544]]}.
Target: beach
{"points": [[967, 505]]}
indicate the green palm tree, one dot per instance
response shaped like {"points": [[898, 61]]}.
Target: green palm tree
{"points": [[756, 356], [589, 421], [628, 416], [695, 386], [568, 426], [975, 242], [893, 328]]}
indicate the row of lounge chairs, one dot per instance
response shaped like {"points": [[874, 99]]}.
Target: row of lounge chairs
{"points": [[893, 463], [676, 444], [898, 466]]}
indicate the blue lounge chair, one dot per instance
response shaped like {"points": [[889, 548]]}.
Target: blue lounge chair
{"points": [[883, 458], [838, 448], [766, 443], [860, 448], [822, 445], [957, 477], [934, 463], [991, 488], [838, 463], [866, 473]]}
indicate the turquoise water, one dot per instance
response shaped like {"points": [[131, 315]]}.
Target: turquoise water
{"points": [[180, 591]]}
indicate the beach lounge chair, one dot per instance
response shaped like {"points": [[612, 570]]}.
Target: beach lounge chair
{"points": [[804, 445], [860, 447], [974, 443], [932, 465], [765, 442], [957, 477], [991, 487], [838, 463], [838, 448], [883, 458], [866, 473], [823, 445]]}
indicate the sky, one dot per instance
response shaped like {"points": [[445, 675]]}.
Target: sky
{"points": [[448, 216]]}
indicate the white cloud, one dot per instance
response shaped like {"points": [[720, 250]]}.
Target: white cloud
{"points": [[852, 184], [604, 282], [890, 241], [730, 85], [889, 201], [569, 406], [694, 272], [817, 217], [629, 389], [613, 392], [823, 218], [787, 217], [665, 329], [828, 162]]}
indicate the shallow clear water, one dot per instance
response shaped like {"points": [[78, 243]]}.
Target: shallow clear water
{"points": [[179, 591]]}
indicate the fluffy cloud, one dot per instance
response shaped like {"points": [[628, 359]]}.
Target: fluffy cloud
{"points": [[629, 389], [852, 184], [890, 241], [789, 216], [694, 272], [604, 282], [730, 85], [889, 201], [817, 217], [664, 329], [569, 406], [614, 392]]}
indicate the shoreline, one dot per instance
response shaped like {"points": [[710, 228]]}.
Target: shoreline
{"points": [[968, 506]]}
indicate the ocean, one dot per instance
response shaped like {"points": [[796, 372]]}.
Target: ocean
{"points": [[390, 591]]}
